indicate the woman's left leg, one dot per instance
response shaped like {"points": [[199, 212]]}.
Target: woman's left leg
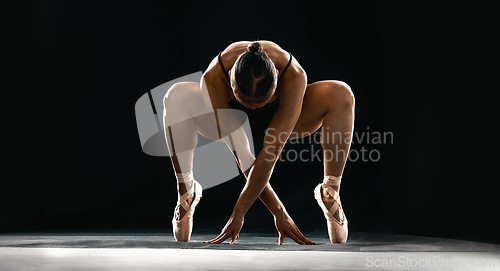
{"points": [[329, 105]]}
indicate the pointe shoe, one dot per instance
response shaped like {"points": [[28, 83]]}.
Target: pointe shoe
{"points": [[337, 228], [182, 227]]}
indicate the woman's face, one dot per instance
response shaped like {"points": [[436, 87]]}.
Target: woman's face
{"points": [[252, 102]]}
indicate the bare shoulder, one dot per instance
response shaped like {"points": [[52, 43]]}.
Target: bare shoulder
{"points": [[273, 50], [234, 49], [215, 88], [281, 57]]}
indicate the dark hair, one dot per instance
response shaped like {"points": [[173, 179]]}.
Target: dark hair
{"points": [[254, 73]]}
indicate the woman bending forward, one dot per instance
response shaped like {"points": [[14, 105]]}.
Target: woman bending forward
{"points": [[269, 85]]}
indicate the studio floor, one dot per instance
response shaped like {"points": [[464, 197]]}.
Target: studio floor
{"points": [[252, 251]]}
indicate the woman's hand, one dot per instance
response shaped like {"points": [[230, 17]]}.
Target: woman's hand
{"points": [[287, 228], [231, 230]]}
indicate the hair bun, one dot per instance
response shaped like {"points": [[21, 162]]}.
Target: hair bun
{"points": [[254, 47]]}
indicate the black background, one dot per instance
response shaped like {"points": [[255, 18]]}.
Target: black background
{"points": [[417, 70]]}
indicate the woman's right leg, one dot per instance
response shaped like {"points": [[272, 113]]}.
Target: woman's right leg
{"points": [[180, 105], [185, 115]]}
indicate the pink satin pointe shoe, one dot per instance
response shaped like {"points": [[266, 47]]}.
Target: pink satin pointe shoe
{"points": [[337, 228], [183, 226]]}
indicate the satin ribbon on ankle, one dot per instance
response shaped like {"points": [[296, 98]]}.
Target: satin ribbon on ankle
{"points": [[186, 179], [332, 180]]}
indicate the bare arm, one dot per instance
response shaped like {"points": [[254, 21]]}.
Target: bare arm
{"points": [[276, 136], [270, 198]]}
